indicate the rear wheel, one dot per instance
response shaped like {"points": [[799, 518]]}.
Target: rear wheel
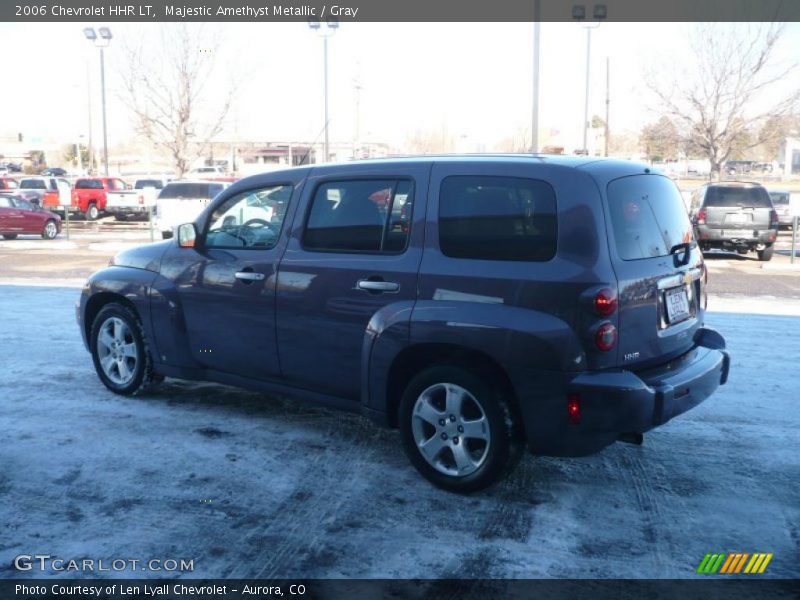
{"points": [[9, 236], [120, 217], [765, 255], [457, 431], [50, 230], [92, 213], [120, 351]]}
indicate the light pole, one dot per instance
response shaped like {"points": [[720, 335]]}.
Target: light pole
{"points": [[599, 13], [537, 15], [329, 30], [101, 42]]}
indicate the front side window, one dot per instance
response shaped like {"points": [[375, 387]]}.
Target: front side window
{"points": [[251, 219], [648, 216], [497, 218], [360, 216], [23, 204]]}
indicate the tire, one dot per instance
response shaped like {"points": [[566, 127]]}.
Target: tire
{"points": [[166, 235], [9, 236], [50, 230], [92, 213], [119, 323], [120, 217], [486, 457], [765, 255]]}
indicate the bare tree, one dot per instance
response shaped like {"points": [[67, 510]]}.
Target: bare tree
{"points": [[431, 141], [730, 90], [660, 140], [167, 88]]}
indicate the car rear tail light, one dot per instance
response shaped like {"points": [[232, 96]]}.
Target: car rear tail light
{"points": [[141, 199], [605, 302], [701, 216], [773, 219], [606, 337], [574, 408]]}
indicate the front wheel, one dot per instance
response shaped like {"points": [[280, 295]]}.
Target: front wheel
{"points": [[458, 431], [120, 351], [765, 255], [50, 230]]}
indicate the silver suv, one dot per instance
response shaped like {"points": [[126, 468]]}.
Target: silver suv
{"points": [[735, 216]]}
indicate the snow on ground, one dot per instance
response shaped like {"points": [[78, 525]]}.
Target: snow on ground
{"points": [[255, 486]]}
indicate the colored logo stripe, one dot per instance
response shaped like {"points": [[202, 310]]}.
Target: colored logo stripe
{"points": [[734, 562]]}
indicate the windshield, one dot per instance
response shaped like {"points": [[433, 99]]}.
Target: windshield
{"points": [[740, 197], [648, 216]]}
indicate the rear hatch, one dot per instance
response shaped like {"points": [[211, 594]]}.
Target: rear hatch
{"points": [[183, 202], [741, 209], [659, 270]]}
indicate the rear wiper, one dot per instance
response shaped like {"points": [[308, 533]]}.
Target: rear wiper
{"points": [[684, 247]]}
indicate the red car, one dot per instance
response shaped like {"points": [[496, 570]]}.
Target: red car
{"points": [[7, 184], [89, 195], [17, 216]]}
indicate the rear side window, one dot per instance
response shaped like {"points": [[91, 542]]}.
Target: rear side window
{"points": [[755, 197], [497, 218], [360, 216], [648, 216]]}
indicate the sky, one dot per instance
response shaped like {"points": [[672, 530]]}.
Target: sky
{"points": [[472, 79]]}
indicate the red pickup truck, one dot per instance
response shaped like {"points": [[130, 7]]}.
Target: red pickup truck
{"points": [[89, 194]]}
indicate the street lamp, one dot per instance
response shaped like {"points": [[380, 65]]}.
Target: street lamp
{"points": [[331, 27], [599, 13], [101, 41]]}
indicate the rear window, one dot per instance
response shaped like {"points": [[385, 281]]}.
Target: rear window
{"points": [[144, 183], [189, 190], [497, 218], [88, 184], [779, 198], [32, 184], [755, 197], [648, 216]]}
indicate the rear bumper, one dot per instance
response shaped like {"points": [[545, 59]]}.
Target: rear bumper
{"points": [[734, 237], [620, 401], [127, 210]]}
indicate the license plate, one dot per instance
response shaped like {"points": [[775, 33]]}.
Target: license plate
{"points": [[677, 305], [737, 218]]}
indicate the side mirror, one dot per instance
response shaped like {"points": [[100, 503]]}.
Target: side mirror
{"points": [[187, 234]]}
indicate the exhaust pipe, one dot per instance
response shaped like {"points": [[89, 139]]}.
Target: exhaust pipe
{"points": [[631, 438]]}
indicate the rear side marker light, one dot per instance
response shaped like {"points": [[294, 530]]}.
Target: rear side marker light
{"points": [[574, 408], [605, 302], [606, 337]]}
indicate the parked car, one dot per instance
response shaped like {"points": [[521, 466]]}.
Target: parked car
{"points": [[90, 195], [182, 201], [780, 200], [18, 216], [54, 172], [134, 203], [207, 172], [42, 191], [8, 185], [4, 171], [557, 301], [735, 216]]}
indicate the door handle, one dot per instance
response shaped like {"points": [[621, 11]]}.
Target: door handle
{"points": [[249, 276], [377, 286]]}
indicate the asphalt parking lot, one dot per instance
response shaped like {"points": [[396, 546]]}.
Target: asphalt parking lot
{"points": [[249, 485]]}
